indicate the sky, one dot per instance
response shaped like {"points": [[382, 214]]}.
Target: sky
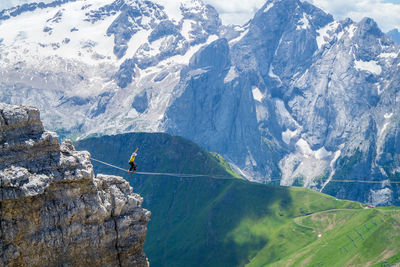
{"points": [[385, 12]]}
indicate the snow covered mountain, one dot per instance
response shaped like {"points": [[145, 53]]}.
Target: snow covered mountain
{"points": [[99, 66], [293, 94]]}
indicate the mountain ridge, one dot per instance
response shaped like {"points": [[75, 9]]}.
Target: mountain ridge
{"points": [[298, 99]]}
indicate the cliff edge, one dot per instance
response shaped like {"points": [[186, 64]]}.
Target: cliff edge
{"points": [[53, 211]]}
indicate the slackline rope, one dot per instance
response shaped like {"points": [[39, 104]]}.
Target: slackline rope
{"points": [[184, 175]]}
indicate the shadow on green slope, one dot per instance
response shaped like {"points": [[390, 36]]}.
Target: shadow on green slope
{"points": [[231, 222], [192, 218]]}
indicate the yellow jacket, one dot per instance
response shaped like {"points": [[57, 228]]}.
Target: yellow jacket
{"points": [[132, 157]]}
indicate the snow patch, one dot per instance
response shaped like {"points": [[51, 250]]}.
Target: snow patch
{"points": [[306, 164], [388, 55], [192, 4], [325, 33], [352, 31], [381, 131], [184, 59], [304, 148], [240, 37], [231, 75], [370, 66], [323, 154], [171, 8], [288, 135], [187, 27], [269, 6], [388, 115], [340, 35], [284, 115], [303, 23], [273, 75], [257, 95], [381, 196], [137, 40], [332, 167], [261, 112], [379, 89], [32, 32], [385, 125]]}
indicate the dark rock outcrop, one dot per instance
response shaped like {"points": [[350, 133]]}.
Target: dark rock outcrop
{"points": [[53, 211]]}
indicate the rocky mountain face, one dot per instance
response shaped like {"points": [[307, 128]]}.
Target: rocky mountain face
{"points": [[112, 68], [326, 94], [395, 35], [53, 210], [293, 95], [319, 104]]}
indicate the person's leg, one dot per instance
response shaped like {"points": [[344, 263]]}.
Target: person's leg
{"points": [[132, 166]]}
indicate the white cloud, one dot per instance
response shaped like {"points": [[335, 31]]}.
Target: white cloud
{"points": [[236, 11], [385, 13]]}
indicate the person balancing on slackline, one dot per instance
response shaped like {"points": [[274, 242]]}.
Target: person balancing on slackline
{"points": [[132, 161]]}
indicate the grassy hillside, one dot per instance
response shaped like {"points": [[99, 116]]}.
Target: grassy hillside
{"points": [[158, 152], [232, 222], [356, 237]]}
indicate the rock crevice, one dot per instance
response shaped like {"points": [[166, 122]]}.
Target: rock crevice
{"points": [[53, 210]]}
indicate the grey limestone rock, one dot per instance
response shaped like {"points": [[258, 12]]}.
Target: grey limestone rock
{"points": [[53, 210], [395, 35]]}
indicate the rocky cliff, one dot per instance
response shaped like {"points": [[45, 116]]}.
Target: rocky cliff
{"points": [[53, 211]]}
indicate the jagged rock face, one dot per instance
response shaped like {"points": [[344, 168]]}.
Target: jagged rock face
{"points": [[395, 35], [210, 102], [99, 65], [319, 95], [53, 211]]}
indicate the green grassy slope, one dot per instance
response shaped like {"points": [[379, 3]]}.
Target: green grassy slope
{"points": [[356, 237], [158, 152], [232, 222]]}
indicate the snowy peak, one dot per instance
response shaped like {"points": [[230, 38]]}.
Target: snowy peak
{"points": [[77, 55], [368, 27], [199, 21], [167, 39], [285, 35], [197, 10], [370, 49], [28, 7], [301, 15], [128, 33], [134, 16]]}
